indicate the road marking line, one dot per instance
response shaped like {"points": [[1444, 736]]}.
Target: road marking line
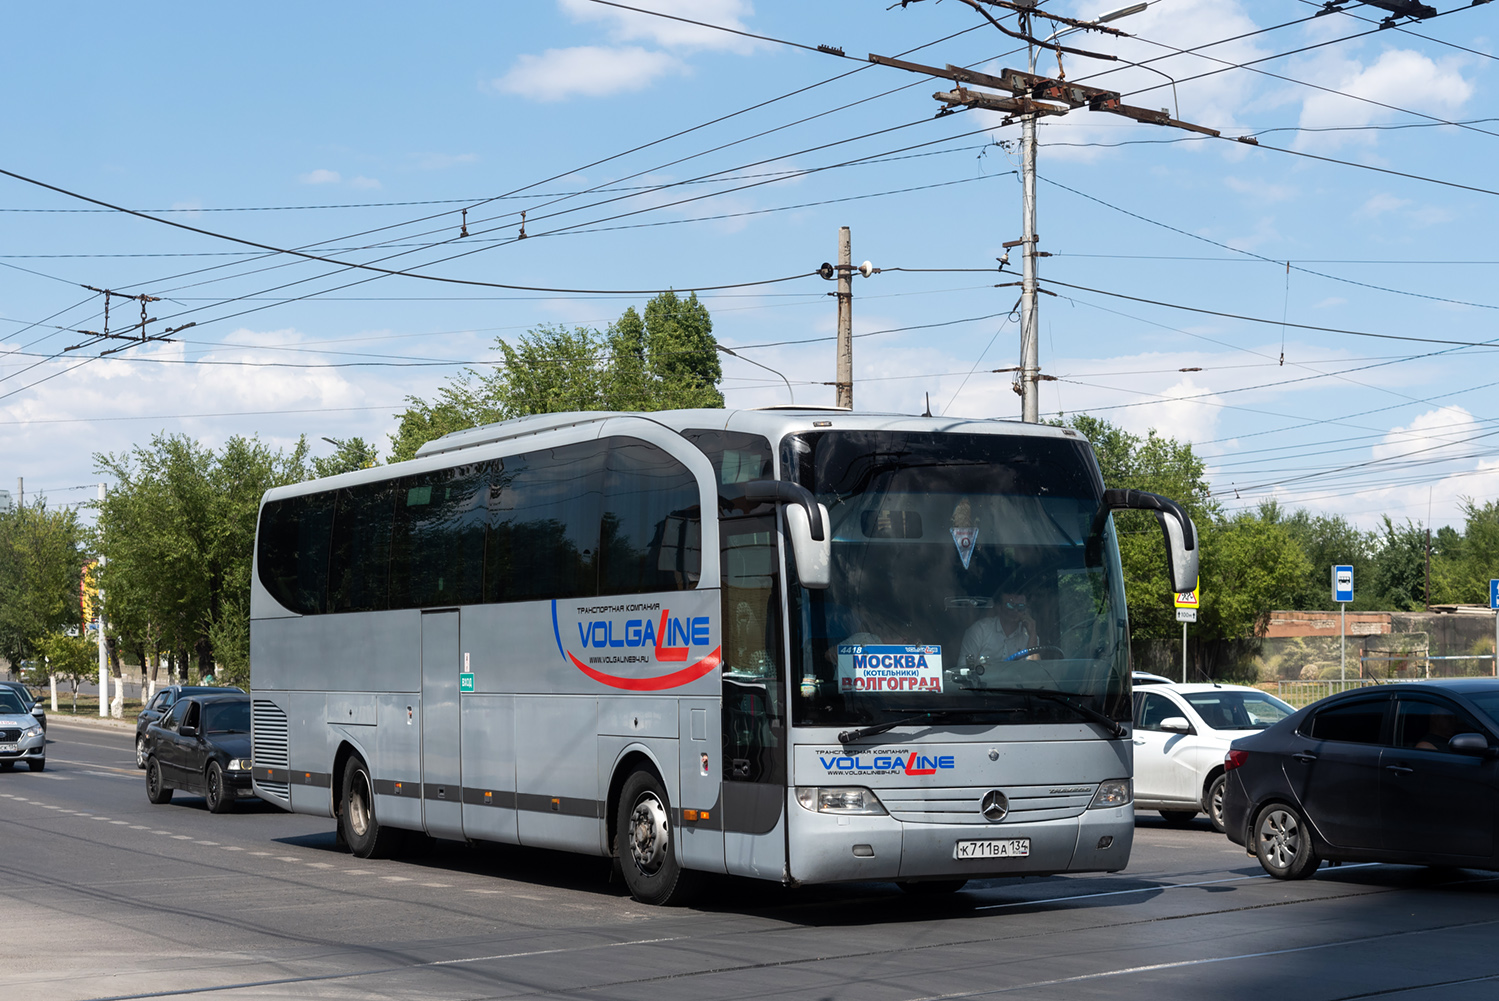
{"points": [[320, 865], [182, 837], [287, 858], [438, 885], [359, 872], [484, 891], [231, 848], [119, 821], [139, 827], [260, 853], [205, 842], [396, 879]]}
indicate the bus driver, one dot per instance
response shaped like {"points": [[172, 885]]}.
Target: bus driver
{"points": [[1008, 632]]}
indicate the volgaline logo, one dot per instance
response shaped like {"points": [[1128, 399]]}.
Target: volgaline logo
{"points": [[610, 634], [886, 764]]}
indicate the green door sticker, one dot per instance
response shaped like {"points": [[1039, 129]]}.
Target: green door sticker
{"points": [[465, 682]]}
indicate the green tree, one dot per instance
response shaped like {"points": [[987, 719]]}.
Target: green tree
{"points": [[41, 565], [1462, 565], [178, 535], [1400, 566], [350, 454], [75, 659], [665, 360], [1328, 541]]}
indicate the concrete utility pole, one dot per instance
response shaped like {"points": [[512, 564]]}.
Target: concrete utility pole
{"points": [[845, 320], [1030, 352], [20, 491]]}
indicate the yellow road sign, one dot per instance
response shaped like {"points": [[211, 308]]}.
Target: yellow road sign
{"points": [[1187, 599]]}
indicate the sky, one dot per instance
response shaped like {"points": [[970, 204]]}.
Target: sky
{"points": [[1316, 313]]}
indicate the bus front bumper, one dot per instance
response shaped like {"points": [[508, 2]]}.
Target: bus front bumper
{"points": [[827, 848]]}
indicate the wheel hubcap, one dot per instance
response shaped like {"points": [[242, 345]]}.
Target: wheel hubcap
{"points": [[648, 834], [1280, 838], [359, 805]]}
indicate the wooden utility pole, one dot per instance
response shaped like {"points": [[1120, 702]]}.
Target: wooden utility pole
{"points": [[845, 320]]}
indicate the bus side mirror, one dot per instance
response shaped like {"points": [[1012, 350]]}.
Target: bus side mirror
{"points": [[1176, 526], [807, 526]]}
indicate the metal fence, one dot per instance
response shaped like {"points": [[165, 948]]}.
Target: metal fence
{"points": [[1300, 693]]}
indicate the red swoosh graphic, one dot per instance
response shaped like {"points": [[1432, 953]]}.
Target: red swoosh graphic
{"points": [[668, 653], [674, 680]]}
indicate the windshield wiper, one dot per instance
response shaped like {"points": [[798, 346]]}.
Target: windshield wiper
{"points": [[1065, 699], [849, 736]]}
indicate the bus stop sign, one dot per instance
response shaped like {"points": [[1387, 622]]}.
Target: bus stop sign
{"points": [[1342, 584], [1494, 593]]}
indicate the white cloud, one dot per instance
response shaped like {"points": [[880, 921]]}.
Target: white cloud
{"points": [[630, 26], [1399, 77], [1379, 204], [321, 176], [1260, 191], [364, 183], [442, 161], [1432, 435], [585, 71]]}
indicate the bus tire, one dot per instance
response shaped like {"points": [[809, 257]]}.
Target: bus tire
{"points": [[157, 791], [646, 847], [361, 830]]}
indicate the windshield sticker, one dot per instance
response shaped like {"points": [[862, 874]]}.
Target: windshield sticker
{"points": [[889, 668], [965, 539], [884, 761]]}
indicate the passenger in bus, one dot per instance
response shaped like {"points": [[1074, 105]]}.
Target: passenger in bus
{"points": [[1009, 631]]}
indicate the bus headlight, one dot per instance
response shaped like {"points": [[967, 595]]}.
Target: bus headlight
{"points": [[239, 764], [1114, 792], [843, 800]]}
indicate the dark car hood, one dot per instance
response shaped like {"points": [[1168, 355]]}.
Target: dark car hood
{"points": [[236, 745]]}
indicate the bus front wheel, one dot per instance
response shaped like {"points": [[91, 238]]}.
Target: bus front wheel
{"points": [[646, 845], [364, 834]]}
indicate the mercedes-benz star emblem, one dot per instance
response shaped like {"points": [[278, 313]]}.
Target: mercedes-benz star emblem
{"points": [[994, 806]]}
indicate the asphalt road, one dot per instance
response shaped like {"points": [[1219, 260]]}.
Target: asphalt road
{"points": [[106, 896]]}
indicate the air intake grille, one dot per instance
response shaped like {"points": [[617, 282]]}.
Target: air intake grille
{"points": [[269, 743]]}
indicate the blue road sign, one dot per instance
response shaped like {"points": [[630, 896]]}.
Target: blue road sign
{"points": [[1342, 584], [1494, 593]]}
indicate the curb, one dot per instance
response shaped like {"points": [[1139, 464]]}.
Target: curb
{"points": [[106, 723]]}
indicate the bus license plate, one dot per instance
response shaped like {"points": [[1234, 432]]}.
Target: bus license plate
{"points": [[1008, 848], [9, 748]]}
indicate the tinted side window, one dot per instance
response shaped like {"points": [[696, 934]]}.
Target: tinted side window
{"points": [[293, 551], [359, 563], [1155, 707], [437, 553], [544, 510], [651, 533], [174, 718], [1355, 722], [1428, 725], [737, 458]]}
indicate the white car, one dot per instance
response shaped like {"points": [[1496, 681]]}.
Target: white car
{"points": [[1182, 733], [21, 736]]}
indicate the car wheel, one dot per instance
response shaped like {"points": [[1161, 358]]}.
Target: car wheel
{"points": [[157, 791], [933, 888], [140, 750], [365, 835], [220, 799], [1178, 818], [37, 764], [646, 847], [1212, 803], [1283, 842]]}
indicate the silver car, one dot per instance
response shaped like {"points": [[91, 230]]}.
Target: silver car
{"points": [[21, 736]]}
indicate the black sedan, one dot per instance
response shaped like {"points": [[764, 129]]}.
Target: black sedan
{"points": [[202, 745], [161, 703], [1395, 773]]}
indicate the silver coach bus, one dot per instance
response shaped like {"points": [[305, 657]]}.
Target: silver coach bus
{"points": [[794, 644]]}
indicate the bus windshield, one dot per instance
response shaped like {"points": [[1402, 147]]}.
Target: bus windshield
{"points": [[959, 580]]}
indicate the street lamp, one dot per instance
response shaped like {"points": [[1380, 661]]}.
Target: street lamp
{"points": [[789, 390]]}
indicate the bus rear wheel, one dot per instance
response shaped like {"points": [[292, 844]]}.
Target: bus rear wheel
{"points": [[646, 846], [364, 834]]}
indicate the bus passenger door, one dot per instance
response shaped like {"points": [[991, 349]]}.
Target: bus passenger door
{"points": [[442, 778]]}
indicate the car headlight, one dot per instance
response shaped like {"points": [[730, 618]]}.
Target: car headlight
{"points": [[31, 731], [843, 800], [239, 764], [1114, 792]]}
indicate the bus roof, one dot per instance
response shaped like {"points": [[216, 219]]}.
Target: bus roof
{"points": [[772, 422]]}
